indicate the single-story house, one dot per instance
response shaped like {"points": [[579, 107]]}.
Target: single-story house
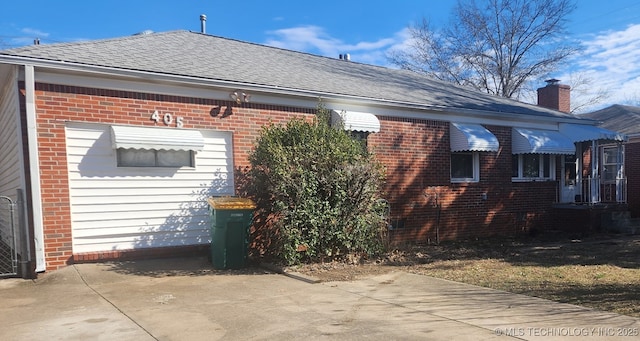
{"points": [[113, 146], [626, 120]]}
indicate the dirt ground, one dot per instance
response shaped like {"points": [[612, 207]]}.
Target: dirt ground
{"points": [[599, 271]]}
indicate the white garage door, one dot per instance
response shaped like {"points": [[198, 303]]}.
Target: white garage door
{"points": [[117, 208]]}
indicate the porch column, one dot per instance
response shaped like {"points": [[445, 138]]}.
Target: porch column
{"points": [[621, 179], [595, 174]]}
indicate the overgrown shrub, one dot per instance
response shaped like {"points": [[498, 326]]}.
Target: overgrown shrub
{"points": [[317, 192]]}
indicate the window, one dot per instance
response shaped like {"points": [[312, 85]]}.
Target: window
{"points": [[611, 163], [533, 167], [570, 170], [465, 167], [154, 158], [360, 136]]}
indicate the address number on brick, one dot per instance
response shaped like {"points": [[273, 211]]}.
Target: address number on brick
{"points": [[167, 119]]}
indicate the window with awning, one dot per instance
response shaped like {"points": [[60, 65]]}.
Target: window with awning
{"points": [[356, 121], [155, 147], [151, 138], [584, 132], [538, 141], [465, 137]]}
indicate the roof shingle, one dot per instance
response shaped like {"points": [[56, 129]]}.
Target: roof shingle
{"points": [[204, 56]]}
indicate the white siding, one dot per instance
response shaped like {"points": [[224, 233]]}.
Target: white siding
{"points": [[11, 175], [119, 208]]}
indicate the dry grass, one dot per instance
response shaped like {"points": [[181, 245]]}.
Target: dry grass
{"points": [[602, 271]]}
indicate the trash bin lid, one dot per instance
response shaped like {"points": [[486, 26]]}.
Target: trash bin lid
{"points": [[231, 203]]}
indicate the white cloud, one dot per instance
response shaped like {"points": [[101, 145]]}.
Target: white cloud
{"points": [[612, 60], [314, 39], [22, 37], [34, 32], [304, 38]]}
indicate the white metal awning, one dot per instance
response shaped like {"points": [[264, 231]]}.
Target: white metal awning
{"points": [[524, 140], [472, 137], [156, 138], [356, 121], [583, 132]]}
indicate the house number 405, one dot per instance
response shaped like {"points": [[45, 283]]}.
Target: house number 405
{"points": [[167, 119]]}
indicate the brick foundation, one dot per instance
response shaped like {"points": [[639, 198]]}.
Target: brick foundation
{"points": [[159, 252]]}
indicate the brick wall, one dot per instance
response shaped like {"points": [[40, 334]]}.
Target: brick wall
{"points": [[415, 152], [555, 96], [57, 104], [586, 159], [632, 170], [427, 207]]}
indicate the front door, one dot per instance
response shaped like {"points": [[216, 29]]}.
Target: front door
{"points": [[569, 191]]}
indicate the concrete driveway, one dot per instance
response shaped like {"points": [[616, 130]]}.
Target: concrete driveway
{"points": [[184, 299]]}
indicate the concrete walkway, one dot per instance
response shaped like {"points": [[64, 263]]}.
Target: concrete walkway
{"points": [[184, 299]]}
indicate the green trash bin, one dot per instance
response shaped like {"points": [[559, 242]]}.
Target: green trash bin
{"points": [[230, 222]]}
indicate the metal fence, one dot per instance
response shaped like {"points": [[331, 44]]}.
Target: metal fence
{"points": [[594, 190], [8, 252]]}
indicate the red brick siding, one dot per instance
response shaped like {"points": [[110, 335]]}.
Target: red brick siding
{"points": [[415, 152], [57, 104], [632, 170], [417, 156], [586, 159], [157, 252], [555, 96]]}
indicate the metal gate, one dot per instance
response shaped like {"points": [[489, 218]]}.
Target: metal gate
{"points": [[8, 253]]}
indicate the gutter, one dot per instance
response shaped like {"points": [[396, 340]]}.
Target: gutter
{"points": [[276, 90], [34, 169]]}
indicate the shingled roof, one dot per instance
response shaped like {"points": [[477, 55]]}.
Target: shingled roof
{"points": [[621, 118], [207, 57]]}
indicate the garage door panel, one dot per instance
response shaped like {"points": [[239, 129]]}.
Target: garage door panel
{"points": [[116, 208]]}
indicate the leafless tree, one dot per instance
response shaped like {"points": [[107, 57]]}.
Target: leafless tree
{"points": [[584, 93], [495, 46]]}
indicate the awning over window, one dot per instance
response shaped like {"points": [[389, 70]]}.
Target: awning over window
{"points": [[156, 138], [356, 121], [583, 132], [472, 137], [539, 141]]}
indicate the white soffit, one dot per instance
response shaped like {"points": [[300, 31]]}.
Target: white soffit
{"points": [[538, 141], [356, 121], [472, 137], [583, 132], [156, 138]]}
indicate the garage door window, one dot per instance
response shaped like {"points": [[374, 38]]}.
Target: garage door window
{"points": [[154, 158], [155, 147]]}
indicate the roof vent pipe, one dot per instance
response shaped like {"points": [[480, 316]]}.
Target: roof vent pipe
{"points": [[203, 23]]}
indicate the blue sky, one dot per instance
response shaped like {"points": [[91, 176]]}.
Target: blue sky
{"points": [[608, 30]]}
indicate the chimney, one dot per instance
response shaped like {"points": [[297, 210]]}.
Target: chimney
{"points": [[555, 96], [203, 23]]}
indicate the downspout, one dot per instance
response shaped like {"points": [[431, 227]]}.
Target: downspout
{"points": [[34, 166], [26, 265]]}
